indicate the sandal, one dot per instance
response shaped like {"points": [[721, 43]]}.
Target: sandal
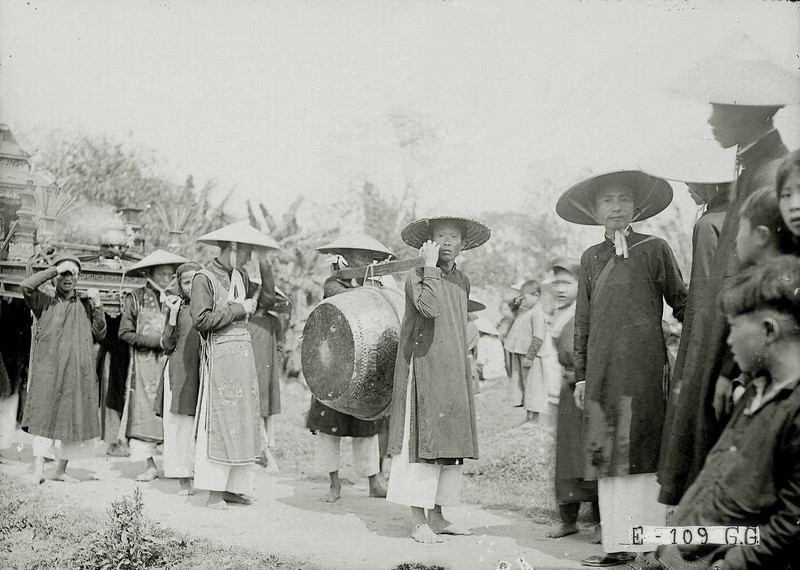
{"points": [[605, 560]]}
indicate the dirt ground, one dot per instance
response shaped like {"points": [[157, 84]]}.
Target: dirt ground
{"points": [[356, 532]]}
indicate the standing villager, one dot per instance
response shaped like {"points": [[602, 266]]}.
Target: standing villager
{"points": [[571, 488], [62, 400], [708, 171], [144, 313], [228, 424], [264, 329], [176, 398], [432, 426], [620, 356], [745, 91], [329, 425], [524, 342]]}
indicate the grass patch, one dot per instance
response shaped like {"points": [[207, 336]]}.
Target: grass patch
{"points": [[516, 466], [40, 532]]}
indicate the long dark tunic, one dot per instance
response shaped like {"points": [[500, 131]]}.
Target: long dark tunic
{"points": [[702, 350], [750, 477], [327, 420], [265, 334], [570, 484], [620, 352], [62, 398], [434, 335], [182, 342]]}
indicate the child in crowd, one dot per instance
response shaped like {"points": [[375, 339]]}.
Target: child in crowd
{"points": [[762, 233], [62, 397], [508, 312], [571, 488], [432, 427], [751, 477], [176, 399], [330, 426], [620, 358], [524, 340], [788, 191], [761, 236]]}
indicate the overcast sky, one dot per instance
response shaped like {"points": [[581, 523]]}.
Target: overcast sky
{"points": [[287, 98]]}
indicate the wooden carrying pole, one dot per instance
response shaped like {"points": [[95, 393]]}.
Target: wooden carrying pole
{"points": [[378, 269]]}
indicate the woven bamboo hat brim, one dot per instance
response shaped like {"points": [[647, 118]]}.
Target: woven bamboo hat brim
{"points": [[158, 257], [650, 196], [740, 72], [474, 305], [355, 240], [239, 232], [693, 161], [418, 232]]}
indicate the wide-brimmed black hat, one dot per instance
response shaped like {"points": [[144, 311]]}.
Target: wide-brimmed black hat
{"points": [[418, 232], [650, 196]]}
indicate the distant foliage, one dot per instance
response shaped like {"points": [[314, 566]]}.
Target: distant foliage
{"points": [[109, 175]]}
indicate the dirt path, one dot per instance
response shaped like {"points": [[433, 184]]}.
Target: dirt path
{"points": [[355, 533]]}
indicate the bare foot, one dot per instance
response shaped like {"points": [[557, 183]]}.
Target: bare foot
{"points": [[562, 530], [147, 475], [423, 533], [441, 525], [186, 488], [333, 495], [64, 478], [237, 499], [598, 535], [37, 479], [377, 487], [215, 501]]}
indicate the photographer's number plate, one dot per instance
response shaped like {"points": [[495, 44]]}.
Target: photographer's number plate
{"points": [[695, 535]]}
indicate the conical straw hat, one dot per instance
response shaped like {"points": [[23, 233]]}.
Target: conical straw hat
{"points": [[739, 72], [158, 257], [418, 232], [282, 301], [239, 232], [474, 305], [355, 240], [651, 196], [694, 161]]}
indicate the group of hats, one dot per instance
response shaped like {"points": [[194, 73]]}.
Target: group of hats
{"points": [[738, 73]]}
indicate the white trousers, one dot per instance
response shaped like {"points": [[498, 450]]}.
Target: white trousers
{"points": [[64, 451], [178, 455], [8, 420], [142, 450], [422, 485], [216, 476], [366, 454], [627, 501]]}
